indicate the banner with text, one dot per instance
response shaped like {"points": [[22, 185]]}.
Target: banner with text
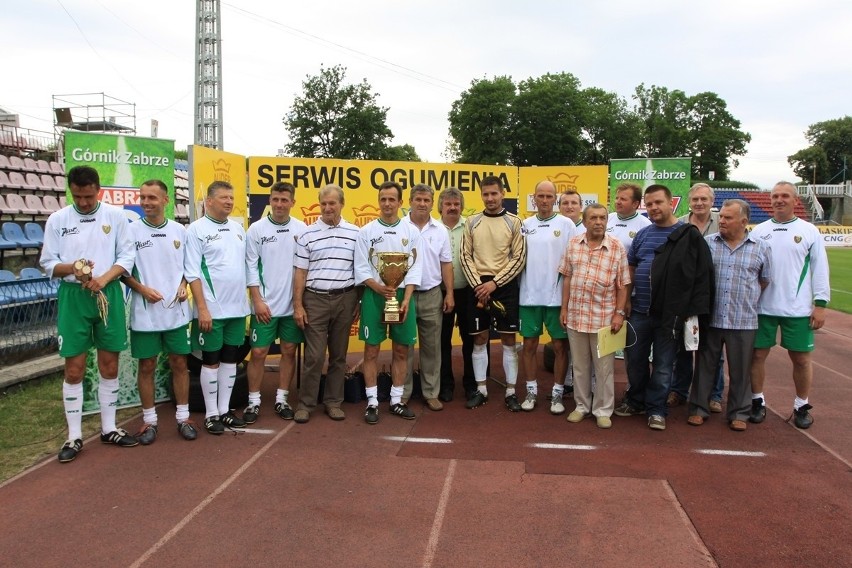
{"points": [[123, 163], [589, 181], [207, 165], [674, 173]]}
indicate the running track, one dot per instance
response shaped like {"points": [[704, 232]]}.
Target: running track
{"points": [[459, 488]]}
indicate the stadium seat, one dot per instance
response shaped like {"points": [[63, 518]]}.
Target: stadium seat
{"points": [[57, 169], [4, 162], [50, 203], [48, 183], [16, 180], [10, 294], [4, 180], [13, 233], [15, 163], [5, 209], [16, 201], [35, 181], [30, 165], [34, 202], [60, 183], [34, 232], [62, 202], [42, 166]]}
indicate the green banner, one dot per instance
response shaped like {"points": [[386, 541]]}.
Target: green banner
{"points": [[123, 163], [674, 173]]}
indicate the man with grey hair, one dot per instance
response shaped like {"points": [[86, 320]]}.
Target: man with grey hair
{"points": [[325, 302], [450, 206], [435, 258], [742, 268], [701, 214]]}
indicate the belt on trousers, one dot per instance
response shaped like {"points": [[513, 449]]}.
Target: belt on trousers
{"points": [[424, 291], [335, 292]]}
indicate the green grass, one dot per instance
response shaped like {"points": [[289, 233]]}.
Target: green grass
{"points": [[32, 423], [840, 266]]}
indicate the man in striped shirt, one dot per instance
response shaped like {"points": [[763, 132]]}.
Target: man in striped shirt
{"points": [[325, 302]]}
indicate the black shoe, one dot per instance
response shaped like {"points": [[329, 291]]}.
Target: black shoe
{"points": [[568, 391], [213, 425], [512, 403], [251, 413], [402, 411], [446, 395], [802, 418], [147, 434], [371, 415], [119, 437], [476, 400], [626, 409], [69, 450], [230, 420], [758, 411], [284, 411], [187, 430]]}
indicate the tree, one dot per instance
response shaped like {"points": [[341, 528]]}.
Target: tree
{"points": [[610, 129], [480, 120], [663, 118], [715, 135], [830, 152], [403, 153], [332, 119]]}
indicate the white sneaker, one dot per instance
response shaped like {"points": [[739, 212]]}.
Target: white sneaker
{"points": [[529, 402], [556, 406]]}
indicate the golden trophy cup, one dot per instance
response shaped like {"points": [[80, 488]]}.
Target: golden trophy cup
{"points": [[392, 268]]}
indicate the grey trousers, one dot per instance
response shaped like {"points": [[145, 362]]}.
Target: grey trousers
{"points": [[429, 318], [739, 345]]}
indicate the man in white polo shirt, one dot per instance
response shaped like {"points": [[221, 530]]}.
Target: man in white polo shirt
{"points": [[436, 265]]}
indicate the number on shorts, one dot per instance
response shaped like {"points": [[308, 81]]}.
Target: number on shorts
{"points": [[201, 339], [59, 341], [366, 332], [254, 335], [476, 323]]}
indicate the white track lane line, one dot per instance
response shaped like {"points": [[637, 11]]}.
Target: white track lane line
{"points": [[418, 440], [548, 446], [209, 499], [735, 453], [435, 533]]}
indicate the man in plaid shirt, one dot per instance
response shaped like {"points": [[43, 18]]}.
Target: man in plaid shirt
{"points": [[594, 293]]}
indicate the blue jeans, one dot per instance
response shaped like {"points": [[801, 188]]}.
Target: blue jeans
{"points": [[649, 389]]}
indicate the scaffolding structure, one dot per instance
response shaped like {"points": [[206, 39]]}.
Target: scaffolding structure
{"points": [[92, 112]]}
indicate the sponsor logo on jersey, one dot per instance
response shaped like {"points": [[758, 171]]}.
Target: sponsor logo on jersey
{"points": [[556, 233], [405, 242], [631, 234], [144, 244], [797, 239], [224, 230], [213, 237], [374, 242], [177, 244], [157, 235], [70, 231], [106, 229], [89, 220], [264, 240], [283, 231]]}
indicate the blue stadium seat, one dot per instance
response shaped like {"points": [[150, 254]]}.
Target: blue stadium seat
{"points": [[12, 232], [11, 291], [34, 232], [48, 289]]}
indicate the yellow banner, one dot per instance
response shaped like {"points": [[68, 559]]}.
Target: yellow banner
{"points": [[360, 180], [589, 181], [207, 165]]}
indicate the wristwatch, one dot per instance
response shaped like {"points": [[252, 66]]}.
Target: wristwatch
{"points": [[621, 313]]}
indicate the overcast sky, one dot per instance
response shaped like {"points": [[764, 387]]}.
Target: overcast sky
{"points": [[780, 65]]}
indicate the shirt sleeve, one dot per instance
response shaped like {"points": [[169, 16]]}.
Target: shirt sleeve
{"points": [[50, 249], [519, 257], [125, 253], [192, 257], [415, 273], [819, 269], [252, 257], [363, 269]]}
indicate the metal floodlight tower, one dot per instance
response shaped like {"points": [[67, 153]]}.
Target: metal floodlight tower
{"points": [[208, 75]]}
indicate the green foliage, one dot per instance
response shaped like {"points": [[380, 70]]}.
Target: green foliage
{"points": [[181, 155], [333, 119], [829, 153], [403, 153], [480, 122], [663, 117], [610, 129]]}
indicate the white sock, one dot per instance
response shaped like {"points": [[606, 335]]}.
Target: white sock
{"points": [[372, 396], [254, 398], [281, 396], [182, 413], [72, 397], [799, 403], [210, 388], [479, 358], [510, 367], [108, 399], [226, 377], [149, 416], [396, 394], [532, 386], [482, 388], [756, 395], [557, 392]]}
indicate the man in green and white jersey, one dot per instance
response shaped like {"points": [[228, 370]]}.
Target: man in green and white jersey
{"points": [[159, 319], [99, 233], [571, 206], [270, 263], [625, 221], [388, 233], [794, 300], [215, 269], [547, 233]]}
